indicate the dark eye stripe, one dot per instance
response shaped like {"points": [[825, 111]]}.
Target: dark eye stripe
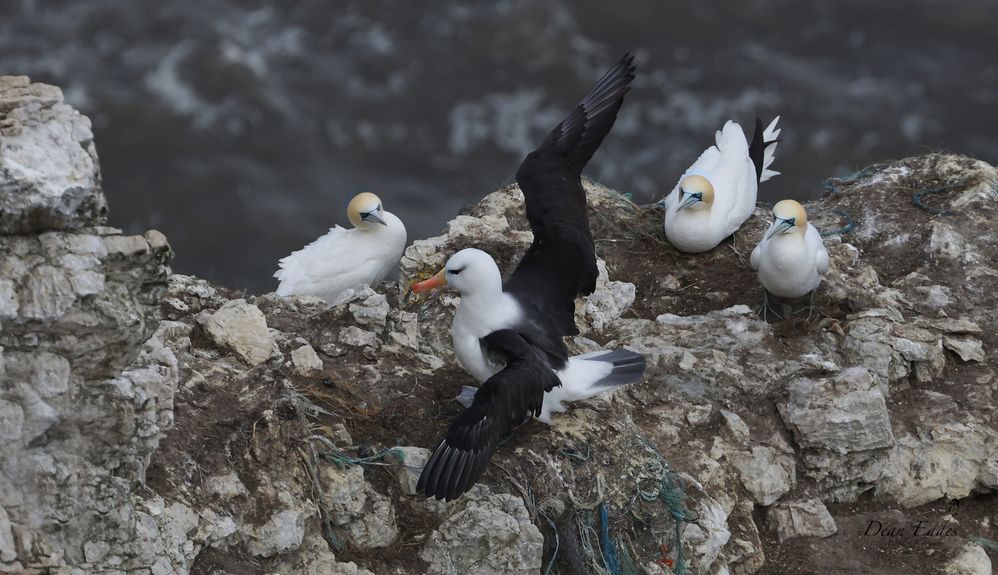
{"points": [[457, 271]]}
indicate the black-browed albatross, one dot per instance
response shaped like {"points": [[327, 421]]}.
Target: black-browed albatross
{"points": [[511, 338]]}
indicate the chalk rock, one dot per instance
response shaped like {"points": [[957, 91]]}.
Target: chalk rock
{"points": [[949, 459], [807, 518], [49, 175], [372, 311], [712, 534], [487, 534], [226, 486], [765, 472], [968, 348], [8, 552], [610, 300], [971, 560], [345, 492], [241, 327], [736, 426], [409, 466], [842, 414], [357, 337], [843, 426], [315, 557], [306, 361], [283, 532], [375, 526]]}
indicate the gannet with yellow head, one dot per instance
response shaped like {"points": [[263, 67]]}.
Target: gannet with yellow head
{"points": [[718, 192], [791, 257], [343, 261]]}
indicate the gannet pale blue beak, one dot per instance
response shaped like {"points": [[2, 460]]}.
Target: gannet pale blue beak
{"points": [[780, 226], [373, 217], [690, 199]]}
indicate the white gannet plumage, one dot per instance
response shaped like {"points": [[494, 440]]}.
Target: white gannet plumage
{"points": [[791, 258], [343, 261], [715, 195]]}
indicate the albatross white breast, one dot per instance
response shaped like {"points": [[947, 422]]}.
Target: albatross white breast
{"points": [[337, 264]]}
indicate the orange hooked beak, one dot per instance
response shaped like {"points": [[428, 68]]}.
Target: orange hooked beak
{"points": [[437, 281]]}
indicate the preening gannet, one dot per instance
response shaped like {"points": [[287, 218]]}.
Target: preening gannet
{"points": [[718, 192], [511, 337], [791, 257], [343, 261]]}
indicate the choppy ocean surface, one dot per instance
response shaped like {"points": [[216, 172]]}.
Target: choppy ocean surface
{"points": [[241, 129]]}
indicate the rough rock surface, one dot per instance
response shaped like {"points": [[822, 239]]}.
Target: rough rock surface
{"points": [[808, 518], [160, 424], [490, 534], [49, 175], [972, 560], [87, 380], [241, 327]]}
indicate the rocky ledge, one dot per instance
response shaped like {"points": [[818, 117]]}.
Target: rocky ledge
{"points": [[155, 423]]}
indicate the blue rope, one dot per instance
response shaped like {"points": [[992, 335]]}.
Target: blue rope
{"points": [[671, 492], [832, 184], [844, 229], [341, 460], [986, 543], [610, 560], [917, 198], [578, 455]]}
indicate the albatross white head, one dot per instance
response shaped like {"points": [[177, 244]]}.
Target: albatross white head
{"points": [[365, 211], [695, 192], [789, 217], [470, 271]]}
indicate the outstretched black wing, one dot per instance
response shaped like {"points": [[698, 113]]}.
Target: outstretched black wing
{"points": [[561, 263], [502, 403]]}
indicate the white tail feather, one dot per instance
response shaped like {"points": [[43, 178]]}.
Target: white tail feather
{"points": [[769, 134], [730, 138], [591, 374], [583, 377]]}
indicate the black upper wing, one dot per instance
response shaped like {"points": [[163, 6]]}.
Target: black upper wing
{"points": [[502, 403], [561, 263]]}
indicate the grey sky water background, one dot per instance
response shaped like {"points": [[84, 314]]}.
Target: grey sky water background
{"points": [[241, 129]]}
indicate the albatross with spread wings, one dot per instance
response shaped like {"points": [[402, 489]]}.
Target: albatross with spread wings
{"points": [[511, 338]]}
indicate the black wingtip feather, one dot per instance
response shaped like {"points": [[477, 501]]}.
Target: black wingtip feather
{"points": [[757, 149], [584, 129]]}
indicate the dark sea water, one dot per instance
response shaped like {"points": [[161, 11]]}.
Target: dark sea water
{"points": [[241, 129]]}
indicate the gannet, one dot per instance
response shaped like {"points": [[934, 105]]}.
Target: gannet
{"points": [[791, 257], [511, 337], [337, 264], [718, 192]]}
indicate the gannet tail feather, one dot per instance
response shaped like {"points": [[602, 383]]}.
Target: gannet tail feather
{"points": [[763, 149]]}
